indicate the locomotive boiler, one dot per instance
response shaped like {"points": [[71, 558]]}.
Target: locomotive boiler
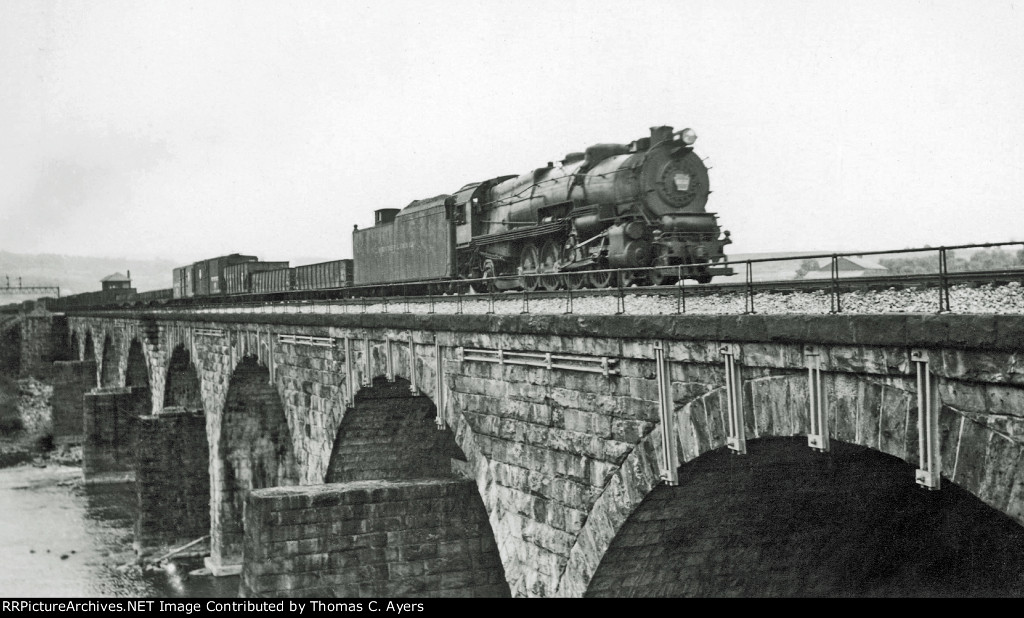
{"points": [[638, 207]]}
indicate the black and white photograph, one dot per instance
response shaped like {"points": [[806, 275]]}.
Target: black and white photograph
{"points": [[350, 306]]}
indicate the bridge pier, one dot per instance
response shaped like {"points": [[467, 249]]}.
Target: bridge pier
{"points": [[71, 381], [426, 537], [38, 345], [109, 426], [172, 477]]}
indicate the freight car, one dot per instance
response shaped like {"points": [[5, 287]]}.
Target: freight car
{"points": [[153, 297], [273, 277], [117, 297], [238, 277], [268, 281], [209, 274], [323, 276], [638, 207], [182, 284]]}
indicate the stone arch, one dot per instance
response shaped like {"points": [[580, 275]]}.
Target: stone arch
{"points": [[879, 416], [10, 350], [136, 375], [181, 388], [253, 450], [392, 434], [108, 366], [89, 351], [136, 371], [61, 342], [788, 521], [76, 346]]}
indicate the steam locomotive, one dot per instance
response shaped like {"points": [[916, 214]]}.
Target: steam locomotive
{"points": [[639, 207]]}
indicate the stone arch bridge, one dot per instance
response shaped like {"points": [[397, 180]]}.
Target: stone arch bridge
{"points": [[491, 455]]}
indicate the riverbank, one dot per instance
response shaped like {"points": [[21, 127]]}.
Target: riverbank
{"points": [[26, 426], [64, 537]]}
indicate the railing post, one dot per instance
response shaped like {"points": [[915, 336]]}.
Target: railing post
{"points": [[943, 282], [620, 304], [834, 299], [749, 308], [680, 293]]}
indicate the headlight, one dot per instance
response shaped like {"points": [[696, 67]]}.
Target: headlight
{"points": [[689, 136]]}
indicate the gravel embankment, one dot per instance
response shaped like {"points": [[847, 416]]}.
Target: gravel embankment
{"points": [[989, 299]]}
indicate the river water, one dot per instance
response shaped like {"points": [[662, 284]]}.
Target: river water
{"points": [[60, 537]]}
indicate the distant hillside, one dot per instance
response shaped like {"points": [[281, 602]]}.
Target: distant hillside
{"points": [[76, 274]]}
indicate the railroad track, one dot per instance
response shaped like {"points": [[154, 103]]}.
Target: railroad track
{"points": [[322, 301]]}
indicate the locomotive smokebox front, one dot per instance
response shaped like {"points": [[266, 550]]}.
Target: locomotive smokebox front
{"points": [[666, 178], [673, 180]]}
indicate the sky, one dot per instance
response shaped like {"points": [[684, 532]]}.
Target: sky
{"points": [[185, 130]]}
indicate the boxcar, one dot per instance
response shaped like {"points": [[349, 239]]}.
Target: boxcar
{"points": [[417, 245], [325, 275], [182, 282], [209, 274], [272, 280], [238, 277]]}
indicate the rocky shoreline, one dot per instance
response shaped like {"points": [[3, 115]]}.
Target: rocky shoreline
{"points": [[26, 426]]}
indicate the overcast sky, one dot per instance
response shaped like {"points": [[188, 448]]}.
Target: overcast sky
{"points": [[187, 130]]}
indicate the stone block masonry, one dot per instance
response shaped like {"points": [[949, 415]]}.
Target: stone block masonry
{"points": [[10, 347], [786, 521], [110, 416], [71, 380], [172, 478], [420, 538], [37, 346], [391, 435]]}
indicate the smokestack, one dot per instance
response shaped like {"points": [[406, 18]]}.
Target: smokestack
{"points": [[660, 134]]}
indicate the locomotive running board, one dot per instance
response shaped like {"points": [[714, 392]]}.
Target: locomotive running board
{"points": [[544, 229]]}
